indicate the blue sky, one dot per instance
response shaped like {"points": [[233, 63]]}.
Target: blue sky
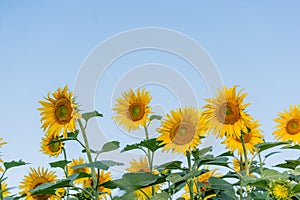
{"points": [[253, 44]]}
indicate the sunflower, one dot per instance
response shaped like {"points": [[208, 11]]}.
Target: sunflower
{"points": [[281, 190], [36, 178], [251, 138], [288, 127], [104, 177], [53, 149], [142, 166], [74, 171], [227, 113], [181, 130], [132, 109], [59, 112], [203, 178], [4, 189]]}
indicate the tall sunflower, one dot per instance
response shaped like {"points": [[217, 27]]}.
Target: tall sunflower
{"points": [[36, 178], [181, 130], [104, 177], [132, 109], [59, 112], [71, 170], [142, 165], [227, 112], [251, 138], [53, 149], [4, 189], [288, 127]]}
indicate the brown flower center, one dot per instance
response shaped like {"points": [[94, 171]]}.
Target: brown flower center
{"points": [[182, 134], [54, 147], [228, 113], [63, 111], [247, 138], [136, 111], [293, 126]]}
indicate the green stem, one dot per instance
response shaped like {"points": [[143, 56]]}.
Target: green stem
{"points": [[66, 171], [245, 155], [89, 155], [150, 157], [260, 164], [241, 169], [190, 181]]}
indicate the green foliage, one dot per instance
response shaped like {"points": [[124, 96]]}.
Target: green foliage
{"points": [[13, 163], [87, 116]]}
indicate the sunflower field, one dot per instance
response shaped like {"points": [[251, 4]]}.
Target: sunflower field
{"points": [[240, 172]]}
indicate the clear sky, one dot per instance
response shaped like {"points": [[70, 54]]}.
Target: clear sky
{"points": [[254, 44]]}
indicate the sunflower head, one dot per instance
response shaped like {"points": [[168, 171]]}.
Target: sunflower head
{"points": [[34, 179], [227, 112], [51, 148], [104, 177], [181, 130], [132, 109], [71, 170], [59, 112], [237, 165], [280, 190], [288, 125], [142, 165], [251, 138]]}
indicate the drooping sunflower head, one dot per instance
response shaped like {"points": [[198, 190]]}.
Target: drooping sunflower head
{"points": [[36, 178], [181, 130], [288, 127], [71, 170], [59, 112], [142, 165], [280, 190], [104, 177], [132, 109], [227, 112], [251, 138], [4, 189], [51, 148]]}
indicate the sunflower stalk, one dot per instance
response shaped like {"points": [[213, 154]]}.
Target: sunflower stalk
{"points": [[66, 171], [246, 160], [149, 156], [89, 155], [190, 181]]}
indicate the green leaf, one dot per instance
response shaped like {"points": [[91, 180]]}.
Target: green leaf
{"points": [[96, 164], [228, 153], [268, 145], [73, 134], [104, 164], [174, 178], [170, 165], [49, 188], [290, 164], [272, 153], [109, 146], [220, 184], [133, 181], [155, 117], [271, 174], [297, 147], [59, 164], [111, 163], [151, 144], [89, 115], [160, 196], [13, 163], [296, 189], [220, 161]]}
